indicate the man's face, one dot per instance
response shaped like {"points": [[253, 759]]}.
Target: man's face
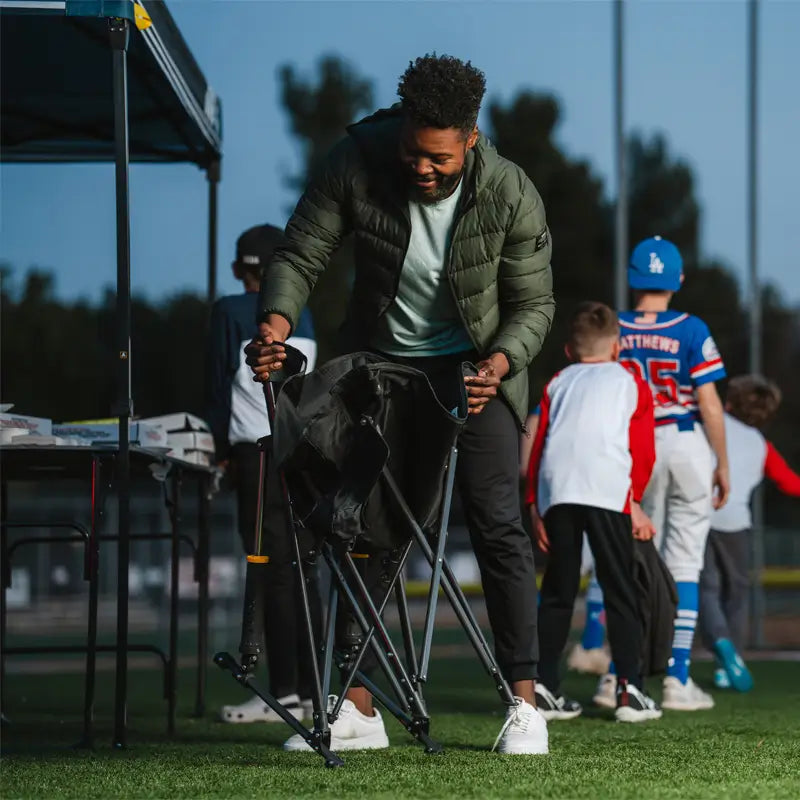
{"points": [[433, 160]]}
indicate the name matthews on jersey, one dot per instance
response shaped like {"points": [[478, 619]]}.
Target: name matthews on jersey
{"points": [[649, 341]]}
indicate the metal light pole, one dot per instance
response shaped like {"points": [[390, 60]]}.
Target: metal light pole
{"points": [[754, 298], [621, 216], [119, 32]]}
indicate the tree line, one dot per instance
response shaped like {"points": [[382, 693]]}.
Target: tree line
{"points": [[72, 373]]}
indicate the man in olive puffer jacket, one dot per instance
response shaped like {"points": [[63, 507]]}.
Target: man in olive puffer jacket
{"points": [[452, 263]]}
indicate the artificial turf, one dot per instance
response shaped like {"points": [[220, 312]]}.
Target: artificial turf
{"points": [[748, 747]]}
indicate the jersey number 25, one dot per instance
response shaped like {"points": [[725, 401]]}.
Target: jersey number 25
{"points": [[660, 373]]}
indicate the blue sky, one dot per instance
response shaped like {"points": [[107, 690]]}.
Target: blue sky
{"points": [[685, 77]]}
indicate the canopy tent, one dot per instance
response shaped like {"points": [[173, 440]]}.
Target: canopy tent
{"points": [[58, 93], [108, 80]]}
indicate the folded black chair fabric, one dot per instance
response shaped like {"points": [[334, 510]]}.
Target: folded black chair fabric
{"points": [[339, 426]]}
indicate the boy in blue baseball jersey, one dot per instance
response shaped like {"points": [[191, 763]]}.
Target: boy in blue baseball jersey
{"points": [[676, 354]]}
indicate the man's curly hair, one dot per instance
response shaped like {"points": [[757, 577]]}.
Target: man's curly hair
{"points": [[442, 92], [753, 399]]}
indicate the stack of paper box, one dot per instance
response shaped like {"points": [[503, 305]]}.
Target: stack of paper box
{"points": [[187, 436], [106, 432], [22, 429]]}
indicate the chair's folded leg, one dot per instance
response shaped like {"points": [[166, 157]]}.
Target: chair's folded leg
{"points": [[326, 653], [318, 701], [397, 564], [436, 566], [412, 715], [416, 726], [400, 682], [412, 664], [455, 596], [467, 619], [318, 739]]}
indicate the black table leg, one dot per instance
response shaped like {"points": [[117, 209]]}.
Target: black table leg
{"points": [[92, 575], [203, 510], [172, 673], [5, 579]]}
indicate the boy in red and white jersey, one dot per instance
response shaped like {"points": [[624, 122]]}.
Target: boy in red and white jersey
{"points": [[592, 458], [750, 403]]}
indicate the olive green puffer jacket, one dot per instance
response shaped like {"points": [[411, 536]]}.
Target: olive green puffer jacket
{"points": [[499, 267]]}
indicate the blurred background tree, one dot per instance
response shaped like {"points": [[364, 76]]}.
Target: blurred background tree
{"points": [[319, 112]]}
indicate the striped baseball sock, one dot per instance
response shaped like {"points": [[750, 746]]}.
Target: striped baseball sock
{"points": [[594, 631], [685, 623]]}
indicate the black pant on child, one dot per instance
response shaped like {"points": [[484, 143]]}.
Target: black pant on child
{"points": [[288, 658], [724, 588], [611, 540]]}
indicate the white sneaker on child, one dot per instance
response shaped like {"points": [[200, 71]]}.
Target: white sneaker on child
{"points": [[524, 732], [605, 695], [594, 661], [351, 731], [256, 710], [685, 696], [635, 705]]}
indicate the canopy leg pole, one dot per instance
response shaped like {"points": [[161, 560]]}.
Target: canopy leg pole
{"points": [[213, 174], [119, 34]]}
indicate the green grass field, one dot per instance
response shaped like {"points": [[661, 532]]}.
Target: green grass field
{"points": [[748, 747]]}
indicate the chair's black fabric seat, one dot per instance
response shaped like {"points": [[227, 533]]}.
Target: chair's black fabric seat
{"points": [[332, 457]]}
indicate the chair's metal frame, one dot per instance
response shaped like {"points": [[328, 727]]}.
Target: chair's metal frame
{"points": [[406, 676]]}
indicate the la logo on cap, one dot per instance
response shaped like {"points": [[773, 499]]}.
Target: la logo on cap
{"points": [[656, 264]]}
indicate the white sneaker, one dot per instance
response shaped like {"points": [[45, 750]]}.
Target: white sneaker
{"points": [[594, 661], [555, 706], [634, 705], [685, 696], [351, 731], [256, 710], [605, 695], [524, 732]]}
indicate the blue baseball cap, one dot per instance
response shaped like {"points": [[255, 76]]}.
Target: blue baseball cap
{"points": [[655, 264]]}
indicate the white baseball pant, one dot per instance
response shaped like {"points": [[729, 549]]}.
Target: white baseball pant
{"points": [[678, 499]]}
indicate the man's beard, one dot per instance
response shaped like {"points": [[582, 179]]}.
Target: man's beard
{"points": [[445, 186]]}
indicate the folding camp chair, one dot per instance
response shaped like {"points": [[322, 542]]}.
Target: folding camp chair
{"points": [[366, 451]]}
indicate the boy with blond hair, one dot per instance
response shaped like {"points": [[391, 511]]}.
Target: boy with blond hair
{"points": [[591, 461]]}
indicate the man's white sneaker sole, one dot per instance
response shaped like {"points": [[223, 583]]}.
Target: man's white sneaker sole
{"points": [[558, 714], [541, 749], [372, 741]]}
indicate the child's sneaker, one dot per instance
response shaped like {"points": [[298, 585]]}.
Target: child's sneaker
{"points": [[685, 696], [594, 661], [256, 710], [739, 676], [633, 705], [605, 695], [721, 679], [552, 706]]}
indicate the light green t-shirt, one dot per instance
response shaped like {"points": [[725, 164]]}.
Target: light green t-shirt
{"points": [[423, 319]]}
